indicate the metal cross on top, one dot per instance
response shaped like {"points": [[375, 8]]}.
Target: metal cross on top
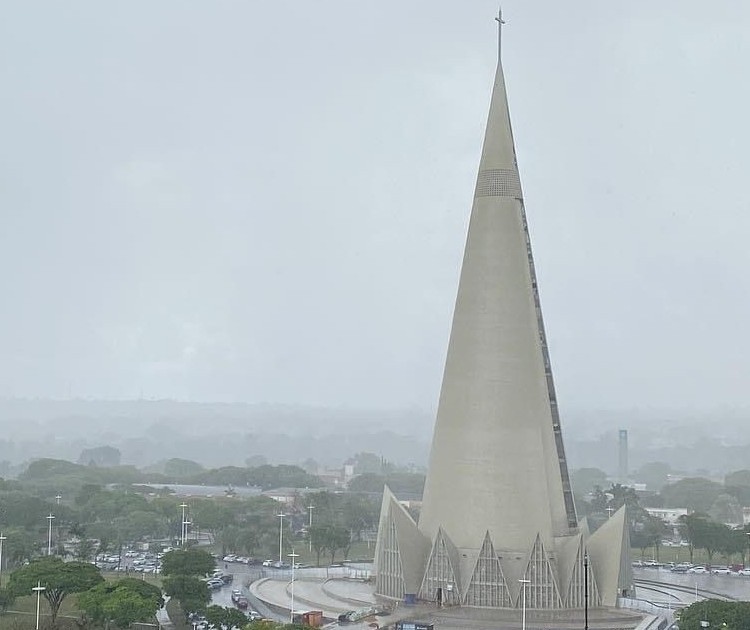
{"points": [[500, 22]]}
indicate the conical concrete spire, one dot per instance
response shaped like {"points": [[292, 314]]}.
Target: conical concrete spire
{"points": [[494, 453], [497, 467]]}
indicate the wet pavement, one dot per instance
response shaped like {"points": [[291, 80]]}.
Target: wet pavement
{"points": [[734, 586]]}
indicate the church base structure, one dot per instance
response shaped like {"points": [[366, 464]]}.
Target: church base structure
{"points": [[577, 571]]}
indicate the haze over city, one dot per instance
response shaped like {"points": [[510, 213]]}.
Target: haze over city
{"points": [[267, 204]]}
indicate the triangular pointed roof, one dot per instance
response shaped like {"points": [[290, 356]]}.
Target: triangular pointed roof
{"points": [[442, 572], [541, 589], [487, 585], [412, 547], [609, 548]]}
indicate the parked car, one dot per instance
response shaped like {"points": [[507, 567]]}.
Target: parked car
{"points": [[254, 615], [698, 570], [744, 572], [721, 571], [679, 568]]}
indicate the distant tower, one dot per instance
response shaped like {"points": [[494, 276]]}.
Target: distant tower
{"points": [[498, 507], [622, 456]]}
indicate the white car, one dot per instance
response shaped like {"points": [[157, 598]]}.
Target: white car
{"points": [[698, 570], [721, 571], [744, 572]]}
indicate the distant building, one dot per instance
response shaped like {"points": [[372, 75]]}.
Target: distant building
{"points": [[671, 516], [288, 495]]}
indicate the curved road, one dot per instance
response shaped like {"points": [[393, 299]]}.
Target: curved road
{"points": [[731, 587]]}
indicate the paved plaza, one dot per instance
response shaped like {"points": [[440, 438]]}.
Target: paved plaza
{"points": [[337, 595]]}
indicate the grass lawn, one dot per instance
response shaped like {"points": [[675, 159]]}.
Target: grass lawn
{"points": [[22, 615]]}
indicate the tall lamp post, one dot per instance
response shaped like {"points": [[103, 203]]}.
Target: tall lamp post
{"points": [[293, 557], [50, 518], [281, 516], [183, 505], [2, 538], [523, 600], [57, 498], [310, 508], [586, 591], [38, 590]]}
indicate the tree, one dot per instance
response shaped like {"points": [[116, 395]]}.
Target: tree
{"points": [[367, 463], [180, 468], [102, 456], [59, 579], [220, 617], [189, 590], [703, 533], [121, 603], [726, 509], [653, 474], [695, 493], [187, 562], [647, 531], [19, 546], [738, 478], [318, 540], [584, 480], [335, 538], [85, 550], [718, 614]]}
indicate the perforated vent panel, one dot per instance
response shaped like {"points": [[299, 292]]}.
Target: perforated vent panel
{"points": [[498, 183]]}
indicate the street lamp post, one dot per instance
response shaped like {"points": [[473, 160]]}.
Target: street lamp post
{"points": [[310, 508], [38, 590], [50, 518], [586, 591], [57, 498], [523, 600], [281, 516], [185, 525], [183, 505], [293, 557], [2, 538]]}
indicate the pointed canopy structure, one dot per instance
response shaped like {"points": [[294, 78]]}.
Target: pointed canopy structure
{"points": [[498, 477]]}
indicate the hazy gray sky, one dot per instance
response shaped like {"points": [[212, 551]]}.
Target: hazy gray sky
{"points": [[267, 201]]}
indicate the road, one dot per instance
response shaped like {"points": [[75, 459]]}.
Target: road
{"points": [[733, 586], [243, 575]]}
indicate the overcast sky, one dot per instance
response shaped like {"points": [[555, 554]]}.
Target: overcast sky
{"points": [[268, 201]]}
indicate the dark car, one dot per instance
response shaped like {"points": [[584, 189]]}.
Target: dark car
{"points": [[241, 602]]}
